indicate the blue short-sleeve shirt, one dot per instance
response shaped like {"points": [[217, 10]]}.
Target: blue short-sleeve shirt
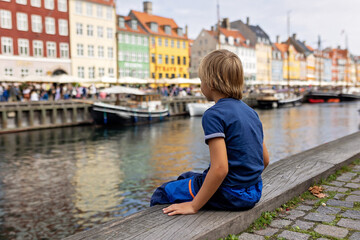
{"points": [[242, 131]]}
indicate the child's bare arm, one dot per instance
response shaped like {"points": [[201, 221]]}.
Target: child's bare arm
{"points": [[216, 175], [265, 155]]}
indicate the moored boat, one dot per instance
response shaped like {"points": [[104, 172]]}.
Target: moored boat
{"points": [[143, 107], [321, 97], [272, 99], [198, 109]]}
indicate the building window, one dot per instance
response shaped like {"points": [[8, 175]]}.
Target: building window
{"points": [[99, 11], [178, 44], [121, 22], [5, 19], [36, 24], [160, 59], [62, 5], [133, 40], [111, 72], [185, 75], [91, 72], [100, 32], [121, 55], [160, 75], [126, 38], [38, 48], [64, 50], [184, 44], [172, 60], [139, 57], [154, 27], [49, 4], [23, 45], [159, 41], [153, 75], [184, 60], [38, 72], [153, 41], [166, 59], [79, 29], [172, 43], [78, 7], [22, 2], [145, 41], [146, 57], [133, 57], [109, 13], [178, 60], [134, 24], [22, 21], [7, 45], [101, 72], [50, 25], [63, 27], [166, 42], [90, 30], [24, 72], [89, 9], [100, 51], [80, 49], [90, 50], [81, 72], [167, 75], [109, 33], [51, 49], [153, 60], [35, 3], [110, 52], [8, 72], [139, 40]]}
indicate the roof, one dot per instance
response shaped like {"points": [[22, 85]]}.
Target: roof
{"points": [[105, 2], [259, 32], [231, 33], [128, 27], [145, 18], [310, 48]]}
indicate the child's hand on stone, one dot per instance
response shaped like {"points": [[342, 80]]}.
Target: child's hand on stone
{"points": [[181, 208]]}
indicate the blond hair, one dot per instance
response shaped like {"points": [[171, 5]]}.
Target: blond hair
{"points": [[222, 70]]}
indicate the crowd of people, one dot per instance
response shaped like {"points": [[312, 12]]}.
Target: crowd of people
{"points": [[15, 92]]}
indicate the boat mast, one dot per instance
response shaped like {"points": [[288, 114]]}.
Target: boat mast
{"points": [[320, 59], [218, 23], [288, 50]]}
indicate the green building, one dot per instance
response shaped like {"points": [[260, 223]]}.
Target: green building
{"points": [[133, 49]]}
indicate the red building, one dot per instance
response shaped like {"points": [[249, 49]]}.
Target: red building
{"points": [[34, 37], [340, 64]]}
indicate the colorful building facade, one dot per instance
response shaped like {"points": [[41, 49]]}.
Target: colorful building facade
{"points": [[277, 65], [168, 46], [133, 49], [34, 38], [92, 38], [291, 61]]}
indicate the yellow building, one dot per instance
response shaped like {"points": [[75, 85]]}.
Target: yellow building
{"points": [[294, 61], [169, 45], [92, 38]]}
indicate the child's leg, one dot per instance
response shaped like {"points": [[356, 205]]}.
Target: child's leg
{"points": [[183, 189]]}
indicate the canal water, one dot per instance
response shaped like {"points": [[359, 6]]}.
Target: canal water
{"points": [[54, 183]]}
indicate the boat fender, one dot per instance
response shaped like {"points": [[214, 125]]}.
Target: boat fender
{"points": [[105, 118]]}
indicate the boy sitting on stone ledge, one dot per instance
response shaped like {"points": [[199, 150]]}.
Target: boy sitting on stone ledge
{"points": [[234, 134]]}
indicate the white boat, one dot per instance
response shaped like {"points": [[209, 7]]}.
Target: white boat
{"points": [[198, 109]]}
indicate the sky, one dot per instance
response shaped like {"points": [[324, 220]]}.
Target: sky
{"points": [[331, 19]]}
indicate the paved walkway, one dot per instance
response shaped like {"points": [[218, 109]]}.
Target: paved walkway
{"points": [[334, 217]]}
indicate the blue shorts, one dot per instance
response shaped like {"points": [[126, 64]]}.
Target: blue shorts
{"points": [[188, 184]]}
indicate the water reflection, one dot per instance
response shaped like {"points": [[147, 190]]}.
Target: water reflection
{"points": [[56, 182]]}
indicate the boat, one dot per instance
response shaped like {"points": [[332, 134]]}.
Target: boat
{"points": [[269, 98], [322, 97], [142, 107], [198, 109]]}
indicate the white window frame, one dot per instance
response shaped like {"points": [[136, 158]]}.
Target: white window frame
{"points": [[5, 19], [101, 72], [22, 21], [35, 3], [91, 72], [8, 71], [109, 33], [50, 25], [38, 72], [64, 50], [100, 51], [99, 11], [91, 52], [111, 72], [7, 46], [51, 49], [63, 27], [100, 32], [79, 29], [24, 72], [22, 2], [62, 5], [36, 23], [78, 7], [38, 48], [110, 52], [90, 30], [49, 4], [81, 72], [89, 9], [23, 47], [80, 49], [109, 13]]}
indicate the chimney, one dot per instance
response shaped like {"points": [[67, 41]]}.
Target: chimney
{"points": [[294, 36], [148, 7], [338, 47], [186, 30], [304, 42], [212, 28], [247, 21], [277, 39]]}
